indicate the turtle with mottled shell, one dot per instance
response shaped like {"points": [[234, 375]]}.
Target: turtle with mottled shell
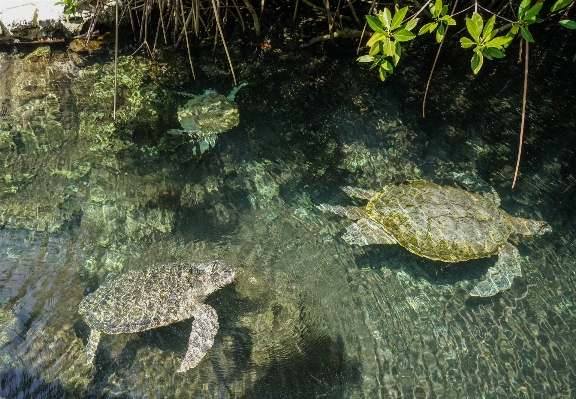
{"points": [[157, 296], [440, 223], [207, 115]]}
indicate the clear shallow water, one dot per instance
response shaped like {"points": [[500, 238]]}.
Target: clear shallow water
{"points": [[309, 316]]}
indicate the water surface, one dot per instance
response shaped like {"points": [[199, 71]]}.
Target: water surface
{"points": [[309, 316]]}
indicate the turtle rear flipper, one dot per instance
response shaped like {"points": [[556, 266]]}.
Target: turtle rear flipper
{"points": [[499, 278], [92, 344], [204, 328], [367, 232]]}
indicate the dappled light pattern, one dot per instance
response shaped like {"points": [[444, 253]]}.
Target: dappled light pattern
{"points": [[308, 315]]}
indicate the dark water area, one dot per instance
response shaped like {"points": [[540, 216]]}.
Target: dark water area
{"points": [[308, 315]]}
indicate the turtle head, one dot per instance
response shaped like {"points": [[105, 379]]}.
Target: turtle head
{"points": [[541, 227], [217, 274], [529, 227]]}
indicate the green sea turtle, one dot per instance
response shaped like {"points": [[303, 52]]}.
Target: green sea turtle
{"points": [[157, 296], [207, 115], [440, 223]]}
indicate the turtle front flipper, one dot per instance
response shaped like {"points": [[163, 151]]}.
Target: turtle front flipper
{"points": [[204, 328], [350, 212], [367, 232], [92, 344], [499, 278], [357, 192]]}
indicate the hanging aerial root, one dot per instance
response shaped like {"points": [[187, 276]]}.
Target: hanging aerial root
{"points": [[217, 19], [254, 16], [523, 115]]}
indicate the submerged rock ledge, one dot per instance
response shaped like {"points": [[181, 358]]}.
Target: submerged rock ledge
{"points": [[42, 20]]}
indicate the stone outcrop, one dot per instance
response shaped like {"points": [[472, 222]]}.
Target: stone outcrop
{"points": [[42, 20]]}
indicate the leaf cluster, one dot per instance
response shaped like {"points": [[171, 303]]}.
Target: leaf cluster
{"points": [[389, 32], [485, 39], [441, 20], [526, 16], [70, 7], [560, 5]]}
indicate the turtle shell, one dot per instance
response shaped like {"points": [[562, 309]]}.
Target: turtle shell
{"points": [[145, 299], [440, 223], [208, 114]]}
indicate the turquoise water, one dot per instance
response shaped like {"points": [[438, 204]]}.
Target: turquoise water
{"points": [[308, 316]]}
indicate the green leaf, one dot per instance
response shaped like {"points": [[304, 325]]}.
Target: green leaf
{"points": [[398, 18], [474, 26], [533, 11], [510, 37], [437, 9], [494, 52], [387, 66], [397, 54], [403, 35], [567, 23], [489, 27], [389, 47], [449, 20], [440, 33], [444, 10], [486, 54], [522, 8], [560, 4], [375, 37], [426, 28], [382, 73], [477, 61], [375, 23], [499, 41], [466, 43], [375, 49], [365, 58], [491, 35], [526, 34], [386, 18], [514, 28], [411, 24]]}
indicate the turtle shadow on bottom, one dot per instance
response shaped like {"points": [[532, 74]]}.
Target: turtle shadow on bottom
{"points": [[396, 258]]}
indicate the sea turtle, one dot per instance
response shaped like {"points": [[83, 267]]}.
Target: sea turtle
{"points": [[207, 115], [157, 296], [440, 223]]}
